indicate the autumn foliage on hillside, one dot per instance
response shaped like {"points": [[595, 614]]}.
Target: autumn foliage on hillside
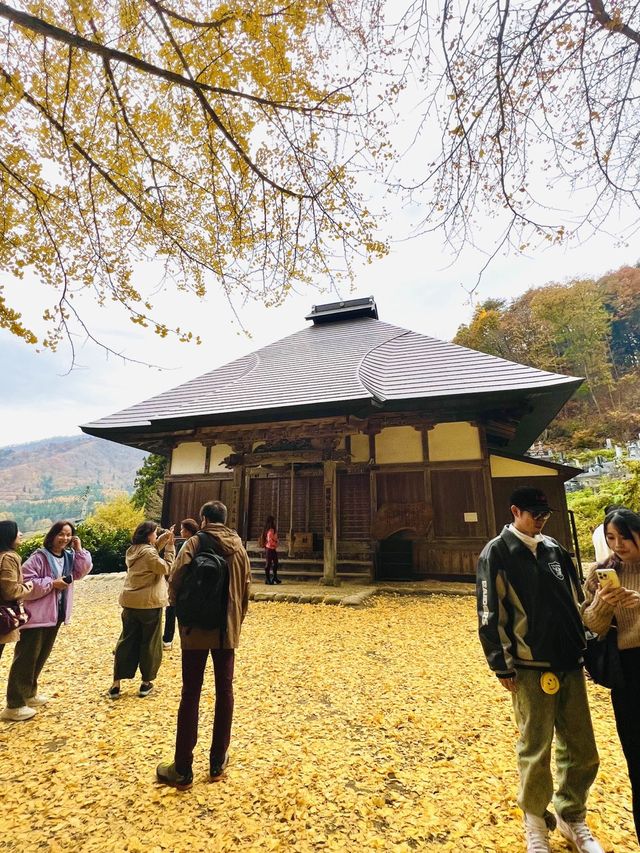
{"points": [[355, 730], [586, 327]]}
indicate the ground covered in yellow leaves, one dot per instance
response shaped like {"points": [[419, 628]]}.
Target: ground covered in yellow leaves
{"points": [[355, 730]]}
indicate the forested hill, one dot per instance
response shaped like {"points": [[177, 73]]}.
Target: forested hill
{"points": [[588, 328], [62, 477]]}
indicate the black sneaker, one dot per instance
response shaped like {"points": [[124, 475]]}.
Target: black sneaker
{"points": [[168, 775], [145, 688], [216, 771], [114, 693]]}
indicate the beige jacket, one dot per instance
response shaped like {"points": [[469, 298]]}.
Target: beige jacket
{"points": [[12, 587], [230, 546], [145, 586], [597, 615]]}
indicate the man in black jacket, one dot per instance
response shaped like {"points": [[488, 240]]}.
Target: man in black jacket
{"points": [[532, 635]]}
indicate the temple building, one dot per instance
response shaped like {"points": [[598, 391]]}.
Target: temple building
{"points": [[382, 453]]}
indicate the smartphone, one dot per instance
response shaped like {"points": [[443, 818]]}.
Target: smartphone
{"points": [[67, 579], [608, 577]]}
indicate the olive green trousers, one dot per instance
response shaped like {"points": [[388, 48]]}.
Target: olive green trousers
{"points": [[29, 657], [540, 715], [139, 643]]}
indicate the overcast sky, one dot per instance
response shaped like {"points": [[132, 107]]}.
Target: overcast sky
{"points": [[412, 287]]}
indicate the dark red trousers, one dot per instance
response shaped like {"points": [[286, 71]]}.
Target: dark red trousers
{"points": [[194, 662]]}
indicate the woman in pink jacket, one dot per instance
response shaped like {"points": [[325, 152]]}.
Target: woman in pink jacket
{"points": [[52, 570]]}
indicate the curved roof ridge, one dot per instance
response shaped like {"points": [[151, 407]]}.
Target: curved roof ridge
{"points": [[413, 365], [347, 366], [377, 395], [254, 356]]}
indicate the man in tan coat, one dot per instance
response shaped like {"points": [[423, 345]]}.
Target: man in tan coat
{"points": [[198, 643]]}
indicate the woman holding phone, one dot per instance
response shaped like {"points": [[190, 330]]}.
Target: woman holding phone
{"points": [[143, 599], [612, 592], [52, 570]]}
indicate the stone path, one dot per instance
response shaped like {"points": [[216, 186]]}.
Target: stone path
{"points": [[352, 593], [348, 594]]}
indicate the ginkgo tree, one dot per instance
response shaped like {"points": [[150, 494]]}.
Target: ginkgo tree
{"points": [[223, 139], [529, 118]]}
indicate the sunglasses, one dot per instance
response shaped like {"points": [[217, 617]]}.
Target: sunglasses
{"points": [[542, 515]]}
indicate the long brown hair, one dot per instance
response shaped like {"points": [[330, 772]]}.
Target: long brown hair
{"points": [[270, 524]]}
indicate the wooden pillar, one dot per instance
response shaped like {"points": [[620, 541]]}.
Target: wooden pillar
{"points": [[234, 520], [375, 543], [330, 497], [291, 505], [246, 489], [165, 519], [488, 482]]}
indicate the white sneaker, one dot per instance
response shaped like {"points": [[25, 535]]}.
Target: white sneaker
{"points": [[579, 834], [17, 715], [37, 700], [536, 834]]}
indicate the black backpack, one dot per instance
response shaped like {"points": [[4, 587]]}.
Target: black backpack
{"points": [[201, 601]]}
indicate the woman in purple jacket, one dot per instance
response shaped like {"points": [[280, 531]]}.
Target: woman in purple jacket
{"points": [[52, 570]]}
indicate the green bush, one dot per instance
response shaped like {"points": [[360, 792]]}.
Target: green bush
{"points": [[28, 546], [588, 504], [588, 507], [107, 546]]}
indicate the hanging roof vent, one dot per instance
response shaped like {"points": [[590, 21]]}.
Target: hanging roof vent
{"points": [[350, 309]]}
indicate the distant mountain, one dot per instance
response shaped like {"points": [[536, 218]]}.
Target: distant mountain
{"points": [[62, 477]]}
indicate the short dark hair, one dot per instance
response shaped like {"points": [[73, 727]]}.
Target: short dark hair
{"points": [[214, 511], [8, 535], [142, 532], [191, 525], [610, 508], [626, 521], [55, 528]]}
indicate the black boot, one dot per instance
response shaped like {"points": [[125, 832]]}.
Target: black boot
{"points": [[267, 578], [276, 579]]}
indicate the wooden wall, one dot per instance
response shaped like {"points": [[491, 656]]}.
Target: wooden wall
{"points": [[183, 496], [445, 511]]}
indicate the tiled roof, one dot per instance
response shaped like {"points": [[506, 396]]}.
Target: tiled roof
{"points": [[342, 362]]}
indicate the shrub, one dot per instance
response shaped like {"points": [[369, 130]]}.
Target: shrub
{"points": [[28, 546], [117, 514], [586, 437], [107, 546], [588, 505], [631, 486]]}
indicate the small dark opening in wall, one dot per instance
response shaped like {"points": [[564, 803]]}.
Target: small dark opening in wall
{"points": [[396, 557]]}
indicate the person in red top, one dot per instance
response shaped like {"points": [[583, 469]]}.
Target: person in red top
{"points": [[269, 541]]}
